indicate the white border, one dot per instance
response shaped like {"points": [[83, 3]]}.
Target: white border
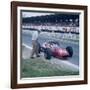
{"points": [[58, 78]]}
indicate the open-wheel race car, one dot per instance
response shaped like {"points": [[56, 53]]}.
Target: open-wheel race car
{"points": [[52, 49]]}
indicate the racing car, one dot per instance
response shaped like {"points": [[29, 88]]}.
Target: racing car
{"points": [[52, 49]]}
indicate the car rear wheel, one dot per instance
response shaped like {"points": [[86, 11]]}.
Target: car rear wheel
{"points": [[70, 51]]}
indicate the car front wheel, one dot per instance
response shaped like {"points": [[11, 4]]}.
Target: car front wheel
{"points": [[47, 53]]}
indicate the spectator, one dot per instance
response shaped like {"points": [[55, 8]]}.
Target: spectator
{"points": [[35, 44]]}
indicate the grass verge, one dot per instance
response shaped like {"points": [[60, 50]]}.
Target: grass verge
{"points": [[44, 68]]}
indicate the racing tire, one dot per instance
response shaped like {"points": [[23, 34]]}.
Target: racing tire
{"points": [[39, 48], [70, 51], [47, 53]]}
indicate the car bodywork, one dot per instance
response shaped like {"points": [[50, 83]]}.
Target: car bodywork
{"points": [[52, 49]]}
